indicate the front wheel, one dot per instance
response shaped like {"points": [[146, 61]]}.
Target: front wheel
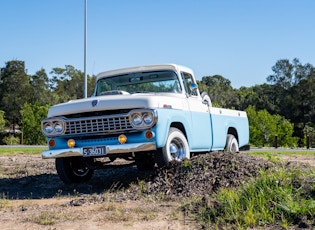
{"points": [[73, 169], [175, 149], [231, 144]]}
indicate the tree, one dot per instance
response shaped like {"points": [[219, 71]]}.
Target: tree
{"points": [[294, 97], [31, 119], [40, 92], [68, 83], [2, 121], [14, 90], [220, 91], [287, 75], [264, 127]]}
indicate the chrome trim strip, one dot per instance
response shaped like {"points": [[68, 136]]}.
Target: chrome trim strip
{"points": [[110, 149]]}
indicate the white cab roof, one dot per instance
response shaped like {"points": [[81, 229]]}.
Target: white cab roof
{"points": [[146, 68]]}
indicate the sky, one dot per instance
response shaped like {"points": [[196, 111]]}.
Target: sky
{"points": [[238, 39]]}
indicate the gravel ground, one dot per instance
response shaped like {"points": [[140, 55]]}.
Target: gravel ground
{"points": [[30, 178]]}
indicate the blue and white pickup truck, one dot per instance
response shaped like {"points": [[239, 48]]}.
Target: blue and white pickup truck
{"points": [[152, 115]]}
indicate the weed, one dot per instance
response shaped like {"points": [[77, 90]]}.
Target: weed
{"points": [[271, 197], [142, 185], [273, 159], [4, 203], [46, 218]]}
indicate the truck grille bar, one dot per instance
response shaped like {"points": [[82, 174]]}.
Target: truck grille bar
{"points": [[104, 125]]}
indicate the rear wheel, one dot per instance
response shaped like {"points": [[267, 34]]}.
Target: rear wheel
{"points": [[231, 144], [74, 169], [175, 149]]}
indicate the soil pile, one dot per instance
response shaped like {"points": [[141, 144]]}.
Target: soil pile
{"points": [[205, 174], [201, 175]]}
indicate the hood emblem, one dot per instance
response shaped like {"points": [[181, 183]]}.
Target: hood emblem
{"points": [[94, 103]]}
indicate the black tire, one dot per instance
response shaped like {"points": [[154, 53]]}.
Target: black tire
{"points": [[73, 169], [231, 144], [176, 149], [144, 161]]}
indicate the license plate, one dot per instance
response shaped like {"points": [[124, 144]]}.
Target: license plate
{"points": [[94, 151]]}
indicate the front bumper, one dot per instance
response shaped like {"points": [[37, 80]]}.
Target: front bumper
{"points": [[110, 149]]}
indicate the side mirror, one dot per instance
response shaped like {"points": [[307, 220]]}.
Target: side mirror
{"points": [[206, 99], [193, 89]]}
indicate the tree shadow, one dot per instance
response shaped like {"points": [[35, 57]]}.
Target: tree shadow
{"points": [[49, 185]]}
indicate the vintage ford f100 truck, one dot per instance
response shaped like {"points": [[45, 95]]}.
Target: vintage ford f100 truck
{"points": [[152, 115]]}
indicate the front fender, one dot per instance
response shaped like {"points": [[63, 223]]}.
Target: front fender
{"points": [[165, 118]]}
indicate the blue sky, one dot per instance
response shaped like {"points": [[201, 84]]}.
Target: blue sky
{"points": [[238, 39]]}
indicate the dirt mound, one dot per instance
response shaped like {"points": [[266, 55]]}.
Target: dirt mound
{"points": [[205, 174], [199, 176]]}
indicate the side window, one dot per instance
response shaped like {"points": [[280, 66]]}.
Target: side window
{"points": [[187, 81]]}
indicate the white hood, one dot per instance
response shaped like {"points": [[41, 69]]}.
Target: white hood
{"points": [[114, 102]]}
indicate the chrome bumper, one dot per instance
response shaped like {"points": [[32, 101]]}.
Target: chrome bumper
{"points": [[110, 149]]}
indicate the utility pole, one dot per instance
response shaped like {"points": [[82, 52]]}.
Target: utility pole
{"points": [[85, 47]]}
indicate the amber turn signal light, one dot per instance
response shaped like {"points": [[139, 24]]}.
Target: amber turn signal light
{"points": [[122, 139], [71, 143]]}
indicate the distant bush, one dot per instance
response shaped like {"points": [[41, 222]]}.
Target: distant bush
{"points": [[264, 128], [11, 140]]}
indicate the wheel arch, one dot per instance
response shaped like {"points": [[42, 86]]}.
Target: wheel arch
{"points": [[233, 131], [181, 127]]}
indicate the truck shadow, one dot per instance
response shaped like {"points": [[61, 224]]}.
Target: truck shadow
{"points": [[49, 185]]}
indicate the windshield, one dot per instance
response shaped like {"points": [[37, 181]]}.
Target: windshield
{"points": [[140, 82]]}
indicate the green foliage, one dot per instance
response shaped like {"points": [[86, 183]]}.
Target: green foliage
{"points": [[309, 132], [2, 121], [220, 91], [281, 195], [14, 90], [15, 151], [11, 140], [18, 91], [31, 118], [264, 127], [68, 83]]}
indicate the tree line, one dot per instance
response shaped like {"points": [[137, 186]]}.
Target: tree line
{"points": [[282, 108]]}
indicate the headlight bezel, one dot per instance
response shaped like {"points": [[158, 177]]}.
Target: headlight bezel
{"points": [[145, 118], [52, 127]]}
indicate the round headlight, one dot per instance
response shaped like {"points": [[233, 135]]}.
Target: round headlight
{"points": [[136, 119], [48, 128], [58, 127], [148, 119]]}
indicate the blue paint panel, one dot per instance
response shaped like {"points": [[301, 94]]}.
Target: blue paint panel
{"points": [[139, 137], [196, 124], [221, 124], [201, 131], [219, 131], [204, 131]]}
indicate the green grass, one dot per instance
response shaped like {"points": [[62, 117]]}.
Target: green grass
{"points": [[280, 196], [13, 151], [308, 152]]}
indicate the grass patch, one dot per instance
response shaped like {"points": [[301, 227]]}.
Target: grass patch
{"points": [[4, 203], [46, 218], [282, 196], [308, 152], [15, 151], [117, 212]]}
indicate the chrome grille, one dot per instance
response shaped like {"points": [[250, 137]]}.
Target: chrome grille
{"points": [[104, 125]]}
